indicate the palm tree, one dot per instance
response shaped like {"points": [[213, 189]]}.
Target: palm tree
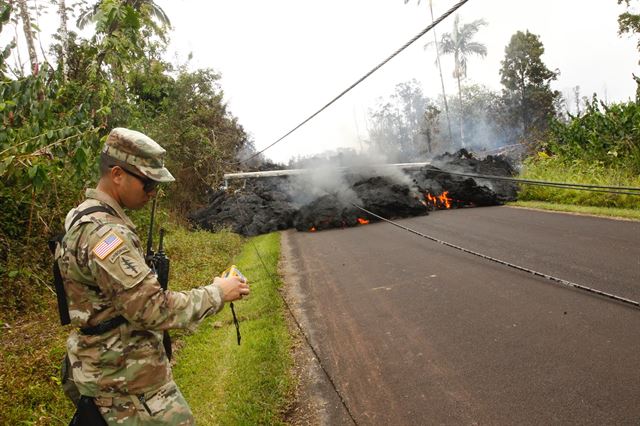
{"points": [[460, 43], [444, 94], [155, 11], [114, 11]]}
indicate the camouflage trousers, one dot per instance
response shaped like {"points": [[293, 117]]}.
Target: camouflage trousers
{"points": [[165, 406]]}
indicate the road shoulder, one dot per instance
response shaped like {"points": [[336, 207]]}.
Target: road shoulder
{"points": [[600, 212], [315, 401]]}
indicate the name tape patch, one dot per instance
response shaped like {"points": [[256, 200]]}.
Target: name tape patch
{"points": [[107, 245]]}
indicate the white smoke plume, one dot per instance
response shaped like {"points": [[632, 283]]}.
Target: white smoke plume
{"points": [[335, 172]]}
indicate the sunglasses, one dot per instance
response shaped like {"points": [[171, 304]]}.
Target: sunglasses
{"points": [[148, 185]]}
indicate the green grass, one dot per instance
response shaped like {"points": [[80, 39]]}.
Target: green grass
{"points": [[589, 210], [30, 392], [198, 256], [227, 384], [555, 170], [224, 383]]}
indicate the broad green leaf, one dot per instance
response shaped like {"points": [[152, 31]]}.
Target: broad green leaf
{"points": [[80, 157], [40, 178], [33, 170]]}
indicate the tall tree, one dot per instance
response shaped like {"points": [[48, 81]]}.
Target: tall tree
{"points": [[527, 81], [444, 93], [28, 34], [5, 52], [124, 30], [429, 126], [629, 23], [460, 43], [89, 15], [64, 36], [439, 64], [397, 125]]}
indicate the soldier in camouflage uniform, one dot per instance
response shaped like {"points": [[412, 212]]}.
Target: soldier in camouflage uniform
{"points": [[125, 370]]}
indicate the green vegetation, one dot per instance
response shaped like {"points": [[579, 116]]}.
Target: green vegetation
{"points": [[250, 383], [460, 44], [55, 115], [55, 118], [528, 99], [557, 169], [409, 124], [246, 384], [606, 134], [30, 391], [600, 147], [630, 214]]}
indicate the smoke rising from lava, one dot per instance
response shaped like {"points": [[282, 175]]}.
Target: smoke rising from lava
{"points": [[335, 172]]}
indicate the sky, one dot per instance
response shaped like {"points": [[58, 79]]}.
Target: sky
{"points": [[282, 60]]}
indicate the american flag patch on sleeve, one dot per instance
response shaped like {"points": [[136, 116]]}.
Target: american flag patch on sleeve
{"points": [[107, 245]]}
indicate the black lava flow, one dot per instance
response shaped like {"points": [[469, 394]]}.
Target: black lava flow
{"points": [[263, 205]]}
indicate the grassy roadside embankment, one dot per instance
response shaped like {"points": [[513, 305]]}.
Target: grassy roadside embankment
{"points": [[582, 202], [247, 384], [614, 213], [224, 383]]}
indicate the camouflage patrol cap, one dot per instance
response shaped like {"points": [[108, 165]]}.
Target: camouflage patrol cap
{"points": [[138, 150]]}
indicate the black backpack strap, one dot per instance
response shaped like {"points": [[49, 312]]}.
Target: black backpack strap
{"points": [[89, 210], [104, 326], [63, 307]]}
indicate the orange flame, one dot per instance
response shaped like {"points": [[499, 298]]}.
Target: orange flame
{"points": [[362, 221], [445, 200], [312, 229], [441, 201]]}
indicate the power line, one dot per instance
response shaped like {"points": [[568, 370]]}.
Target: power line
{"points": [[623, 190], [376, 68], [509, 264], [566, 283], [626, 190], [343, 400]]}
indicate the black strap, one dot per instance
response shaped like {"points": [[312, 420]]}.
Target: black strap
{"points": [[104, 326], [87, 413], [166, 342], [58, 282], [89, 210], [236, 323], [63, 308]]}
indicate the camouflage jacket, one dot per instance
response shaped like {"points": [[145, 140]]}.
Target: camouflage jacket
{"points": [[105, 275]]}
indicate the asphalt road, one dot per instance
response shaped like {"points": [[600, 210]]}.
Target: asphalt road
{"points": [[414, 332]]}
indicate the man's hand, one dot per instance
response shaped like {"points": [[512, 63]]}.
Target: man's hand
{"points": [[233, 288]]}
